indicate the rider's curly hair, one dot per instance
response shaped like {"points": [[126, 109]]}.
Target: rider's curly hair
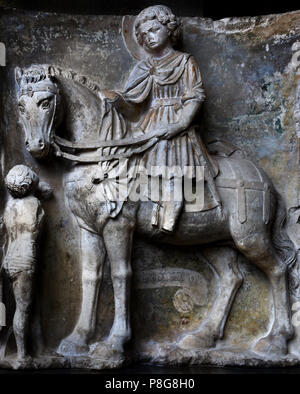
{"points": [[164, 15]]}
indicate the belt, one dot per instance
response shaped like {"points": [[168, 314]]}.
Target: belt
{"points": [[166, 102]]}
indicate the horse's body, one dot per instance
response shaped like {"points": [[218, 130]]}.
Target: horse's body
{"points": [[250, 219]]}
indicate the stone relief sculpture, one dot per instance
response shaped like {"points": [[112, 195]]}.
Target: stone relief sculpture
{"points": [[23, 221], [148, 125], [173, 235]]}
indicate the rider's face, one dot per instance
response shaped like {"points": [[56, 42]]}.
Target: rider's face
{"points": [[155, 35]]}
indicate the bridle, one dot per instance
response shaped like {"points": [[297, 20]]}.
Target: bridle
{"points": [[135, 145], [30, 90]]}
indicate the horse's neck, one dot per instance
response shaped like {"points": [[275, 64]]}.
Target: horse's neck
{"points": [[93, 119], [113, 126]]}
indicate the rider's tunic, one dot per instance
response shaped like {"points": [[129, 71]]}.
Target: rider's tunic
{"points": [[164, 86]]}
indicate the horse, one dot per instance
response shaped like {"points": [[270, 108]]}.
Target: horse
{"points": [[251, 217]]}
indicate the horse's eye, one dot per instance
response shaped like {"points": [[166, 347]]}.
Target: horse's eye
{"points": [[21, 108], [45, 104]]}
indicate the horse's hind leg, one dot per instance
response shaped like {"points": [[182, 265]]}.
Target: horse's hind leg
{"points": [[259, 250], [229, 280], [92, 257]]}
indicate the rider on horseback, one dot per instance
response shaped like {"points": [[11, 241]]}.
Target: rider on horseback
{"points": [[167, 89]]}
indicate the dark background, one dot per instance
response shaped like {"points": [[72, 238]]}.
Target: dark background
{"points": [[215, 9]]}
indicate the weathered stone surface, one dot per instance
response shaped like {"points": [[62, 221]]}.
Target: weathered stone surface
{"points": [[251, 86]]}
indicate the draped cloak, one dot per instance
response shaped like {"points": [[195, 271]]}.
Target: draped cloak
{"points": [[164, 86], [161, 87]]}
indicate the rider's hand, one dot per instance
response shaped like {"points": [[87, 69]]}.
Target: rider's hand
{"points": [[173, 129], [110, 95], [161, 130]]}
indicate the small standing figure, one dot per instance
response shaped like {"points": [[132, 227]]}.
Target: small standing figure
{"points": [[23, 220]]}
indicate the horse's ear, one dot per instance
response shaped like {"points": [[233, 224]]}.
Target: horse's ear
{"points": [[18, 75], [51, 71]]}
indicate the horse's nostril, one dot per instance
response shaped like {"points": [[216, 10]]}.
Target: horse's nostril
{"points": [[41, 143], [26, 143]]}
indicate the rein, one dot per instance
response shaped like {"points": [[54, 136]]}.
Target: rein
{"points": [[98, 158], [104, 144], [135, 145], [148, 141]]}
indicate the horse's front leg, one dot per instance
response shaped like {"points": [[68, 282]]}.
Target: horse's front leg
{"points": [[93, 258], [117, 237]]}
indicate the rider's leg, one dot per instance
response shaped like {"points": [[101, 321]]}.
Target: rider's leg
{"points": [[172, 202], [172, 210]]}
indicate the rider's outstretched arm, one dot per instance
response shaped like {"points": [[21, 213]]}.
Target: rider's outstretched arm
{"points": [[129, 110]]}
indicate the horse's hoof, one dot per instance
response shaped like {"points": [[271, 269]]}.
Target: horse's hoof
{"points": [[69, 347], [196, 341], [23, 362], [107, 350], [117, 342], [271, 346]]}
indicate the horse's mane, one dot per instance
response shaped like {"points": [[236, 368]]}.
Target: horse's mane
{"points": [[33, 74], [76, 77]]}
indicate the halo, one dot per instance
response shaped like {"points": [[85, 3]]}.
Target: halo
{"points": [[128, 34]]}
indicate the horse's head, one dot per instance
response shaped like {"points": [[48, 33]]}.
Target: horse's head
{"points": [[38, 99]]}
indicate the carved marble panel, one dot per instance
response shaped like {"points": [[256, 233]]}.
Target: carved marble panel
{"points": [[150, 280]]}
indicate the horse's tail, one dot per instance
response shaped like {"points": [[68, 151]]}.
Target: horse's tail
{"points": [[282, 243]]}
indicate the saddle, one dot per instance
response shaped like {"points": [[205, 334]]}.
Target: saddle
{"points": [[165, 214]]}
